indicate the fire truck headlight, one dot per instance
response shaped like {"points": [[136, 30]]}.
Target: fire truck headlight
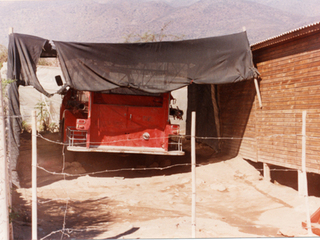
{"points": [[146, 136]]}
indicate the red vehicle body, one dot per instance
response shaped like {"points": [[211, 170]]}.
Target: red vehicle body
{"points": [[134, 122]]}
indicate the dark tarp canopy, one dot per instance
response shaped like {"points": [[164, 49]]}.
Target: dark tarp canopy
{"points": [[153, 67], [156, 66]]}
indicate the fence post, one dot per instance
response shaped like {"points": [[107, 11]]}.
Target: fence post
{"points": [[34, 177], [303, 166], [193, 172], [4, 204], [266, 172]]}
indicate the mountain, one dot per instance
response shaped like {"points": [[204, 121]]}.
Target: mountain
{"points": [[115, 20], [309, 8]]}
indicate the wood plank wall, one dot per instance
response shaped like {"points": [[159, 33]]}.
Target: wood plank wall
{"points": [[290, 83]]}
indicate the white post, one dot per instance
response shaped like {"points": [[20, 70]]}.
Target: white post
{"points": [[4, 207], [303, 166], [301, 183], [266, 172], [193, 172], [9, 176], [34, 177], [258, 92]]}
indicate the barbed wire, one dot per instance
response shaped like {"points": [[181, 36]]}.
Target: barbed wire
{"points": [[177, 136], [68, 231], [116, 170], [52, 141], [156, 168]]}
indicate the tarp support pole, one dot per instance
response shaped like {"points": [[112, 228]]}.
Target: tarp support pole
{"points": [[34, 177], [9, 169], [4, 204], [258, 92], [193, 172]]}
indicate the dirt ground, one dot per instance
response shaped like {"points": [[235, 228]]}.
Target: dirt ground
{"points": [[151, 197]]}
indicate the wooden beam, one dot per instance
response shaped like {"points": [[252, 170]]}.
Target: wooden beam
{"points": [[193, 172], [258, 92]]}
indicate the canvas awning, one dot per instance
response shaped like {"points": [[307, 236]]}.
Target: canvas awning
{"points": [[151, 67]]}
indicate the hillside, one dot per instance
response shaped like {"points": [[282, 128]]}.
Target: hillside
{"points": [[113, 21], [309, 8]]}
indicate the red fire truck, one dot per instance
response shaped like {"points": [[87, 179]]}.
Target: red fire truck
{"points": [[120, 121]]}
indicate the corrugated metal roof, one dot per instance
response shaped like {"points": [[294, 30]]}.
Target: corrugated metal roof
{"points": [[287, 35]]}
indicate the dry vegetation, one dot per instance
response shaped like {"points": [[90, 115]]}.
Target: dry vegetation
{"points": [[3, 55]]}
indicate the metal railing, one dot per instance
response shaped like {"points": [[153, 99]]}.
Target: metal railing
{"points": [[76, 137], [175, 144]]}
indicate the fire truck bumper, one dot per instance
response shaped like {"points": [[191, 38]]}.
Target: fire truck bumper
{"points": [[118, 149]]}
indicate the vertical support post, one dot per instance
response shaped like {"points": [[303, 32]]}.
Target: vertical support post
{"points": [[9, 169], [34, 177], [258, 92], [300, 183], [303, 166], [193, 172], [4, 207], [266, 172], [89, 119]]}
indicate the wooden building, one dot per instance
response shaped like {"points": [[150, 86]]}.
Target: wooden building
{"points": [[289, 65]]}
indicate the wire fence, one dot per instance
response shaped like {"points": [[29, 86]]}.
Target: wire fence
{"points": [[67, 232]]}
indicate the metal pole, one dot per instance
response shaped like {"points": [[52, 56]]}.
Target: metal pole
{"points": [[258, 92], [9, 176], [4, 207], [34, 177], [303, 165], [193, 171]]}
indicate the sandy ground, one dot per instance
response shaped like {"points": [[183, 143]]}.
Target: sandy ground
{"points": [[151, 197]]}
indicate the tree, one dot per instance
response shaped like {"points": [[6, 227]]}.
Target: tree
{"points": [[3, 55], [152, 36]]}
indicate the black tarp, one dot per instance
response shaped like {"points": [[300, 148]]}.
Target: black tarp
{"points": [[153, 67], [205, 119], [156, 66], [24, 52]]}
